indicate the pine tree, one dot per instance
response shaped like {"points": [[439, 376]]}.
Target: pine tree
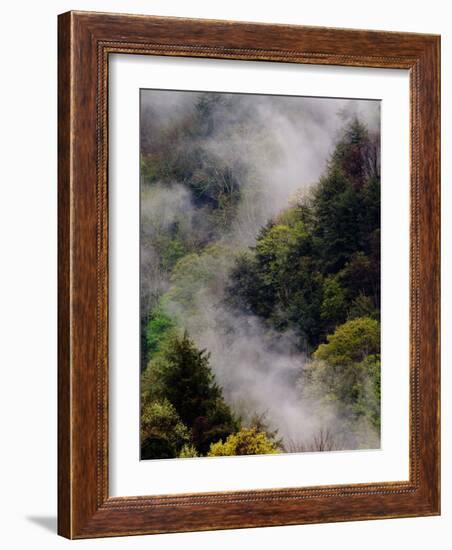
{"points": [[181, 374]]}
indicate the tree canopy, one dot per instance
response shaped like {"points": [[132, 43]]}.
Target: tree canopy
{"points": [[311, 272], [180, 376], [345, 370], [318, 264], [248, 441]]}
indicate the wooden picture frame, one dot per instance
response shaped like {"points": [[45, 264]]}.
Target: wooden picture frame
{"points": [[85, 42]]}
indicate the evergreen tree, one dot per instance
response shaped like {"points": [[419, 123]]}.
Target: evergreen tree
{"points": [[181, 374], [318, 264]]}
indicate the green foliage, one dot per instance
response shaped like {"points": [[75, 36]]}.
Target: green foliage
{"points": [[248, 441], [279, 280], [156, 329], [362, 306], [336, 205], [356, 154], [162, 432], [345, 371], [173, 251], [360, 277], [181, 374], [368, 390], [245, 290], [334, 301], [200, 272], [195, 280], [351, 342], [188, 451], [319, 262], [314, 271]]}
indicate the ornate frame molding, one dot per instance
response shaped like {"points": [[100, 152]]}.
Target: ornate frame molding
{"points": [[85, 42]]}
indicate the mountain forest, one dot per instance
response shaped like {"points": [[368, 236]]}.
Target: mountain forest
{"points": [[260, 274]]}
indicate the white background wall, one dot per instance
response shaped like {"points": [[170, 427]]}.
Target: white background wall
{"points": [[28, 235]]}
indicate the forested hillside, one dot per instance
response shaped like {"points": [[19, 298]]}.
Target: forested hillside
{"points": [[260, 275]]}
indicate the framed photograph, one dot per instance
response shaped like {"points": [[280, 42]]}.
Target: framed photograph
{"points": [[248, 275]]}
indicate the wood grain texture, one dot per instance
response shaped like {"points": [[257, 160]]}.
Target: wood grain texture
{"points": [[64, 295], [85, 42]]}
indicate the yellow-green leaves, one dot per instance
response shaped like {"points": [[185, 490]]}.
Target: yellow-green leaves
{"points": [[248, 441]]}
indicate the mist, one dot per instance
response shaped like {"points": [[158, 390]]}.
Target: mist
{"points": [[279, 144], [276, 148]]}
